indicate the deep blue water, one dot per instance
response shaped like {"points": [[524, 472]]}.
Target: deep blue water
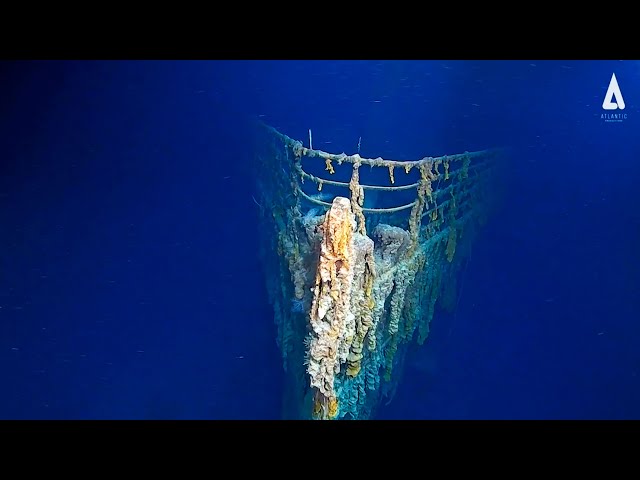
{"points": [[130, 285]]}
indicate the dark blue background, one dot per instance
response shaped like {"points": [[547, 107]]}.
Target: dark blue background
{"points": [[129, 280]]}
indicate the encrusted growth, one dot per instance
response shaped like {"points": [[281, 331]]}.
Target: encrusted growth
{"points": [[331, 319], [357, 198]]}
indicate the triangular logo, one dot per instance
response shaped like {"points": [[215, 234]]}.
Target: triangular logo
{"points": [[614, 89]]}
